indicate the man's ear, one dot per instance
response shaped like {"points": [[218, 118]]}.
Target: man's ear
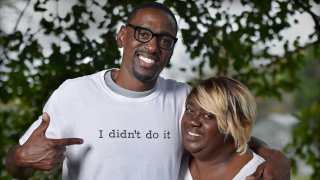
{"points": [[120, 37]]}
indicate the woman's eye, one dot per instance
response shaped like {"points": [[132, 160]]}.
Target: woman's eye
{"points": [[189, 110], [209, 116]]}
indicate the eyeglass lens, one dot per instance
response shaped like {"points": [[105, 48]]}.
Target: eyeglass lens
{"points": [[145, 35]]}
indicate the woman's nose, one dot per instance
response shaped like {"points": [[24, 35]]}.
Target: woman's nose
{"points": [[195, 120]]}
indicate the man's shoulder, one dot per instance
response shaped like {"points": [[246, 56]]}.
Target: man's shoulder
{"points": [[82, 81], [171, 83]]}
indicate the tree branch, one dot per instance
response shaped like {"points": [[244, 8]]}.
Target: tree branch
{"points": [[20, 16]]}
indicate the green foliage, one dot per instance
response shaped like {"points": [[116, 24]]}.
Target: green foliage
{"points": [[306, 133], [231, 44], [308, 91], [306, 139]]}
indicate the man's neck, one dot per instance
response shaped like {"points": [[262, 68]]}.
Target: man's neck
{"points": [[125, 81]]}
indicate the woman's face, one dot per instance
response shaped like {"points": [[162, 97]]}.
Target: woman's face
{"points": [[200, 130]]}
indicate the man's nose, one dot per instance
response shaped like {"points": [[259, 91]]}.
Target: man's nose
{"points": [[152, 45]]}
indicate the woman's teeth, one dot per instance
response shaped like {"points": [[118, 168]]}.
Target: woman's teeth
{"points": [[193, 134]]}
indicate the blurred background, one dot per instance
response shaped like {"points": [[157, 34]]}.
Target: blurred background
{"points": [[273, 47]]}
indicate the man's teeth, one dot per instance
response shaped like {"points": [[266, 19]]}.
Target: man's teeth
{"points": [[146, 60], [193, 134]]}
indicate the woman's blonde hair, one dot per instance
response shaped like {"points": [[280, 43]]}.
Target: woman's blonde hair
{"points": [[232, 104]]}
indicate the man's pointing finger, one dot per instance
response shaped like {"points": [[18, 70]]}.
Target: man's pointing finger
{"points": [[67, 141]]}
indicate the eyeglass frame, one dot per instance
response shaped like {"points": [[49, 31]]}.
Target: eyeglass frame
{"points": [[153, 35]]}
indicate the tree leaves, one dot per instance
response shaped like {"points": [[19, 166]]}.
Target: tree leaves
{"points": [[37, 7], [306, 139]]}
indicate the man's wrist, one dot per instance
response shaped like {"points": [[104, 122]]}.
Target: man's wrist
{"points": [[14, 167]]}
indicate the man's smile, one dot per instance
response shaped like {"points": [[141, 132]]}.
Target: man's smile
{"points": [[146, 59]]}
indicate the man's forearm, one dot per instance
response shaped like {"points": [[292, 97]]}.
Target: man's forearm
{"points": [[14, 169], [276, 165], [260, 147]]}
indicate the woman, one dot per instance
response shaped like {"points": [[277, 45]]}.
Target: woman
{"points": [[216, 128]]}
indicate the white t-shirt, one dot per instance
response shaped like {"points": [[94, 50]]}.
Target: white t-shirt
{"points": [[246, 170], [124, 137]]}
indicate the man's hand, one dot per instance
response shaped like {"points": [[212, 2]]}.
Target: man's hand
{"points": [[42, 153], [276, 166]]}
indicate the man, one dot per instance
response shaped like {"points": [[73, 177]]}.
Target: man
{"points": [[127, 118]]}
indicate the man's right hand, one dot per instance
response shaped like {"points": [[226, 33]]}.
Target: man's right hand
{"points": [[42, 153]]}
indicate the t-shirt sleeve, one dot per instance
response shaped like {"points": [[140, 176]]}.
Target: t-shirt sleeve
{"points": [[53, 129], [28, 133]]}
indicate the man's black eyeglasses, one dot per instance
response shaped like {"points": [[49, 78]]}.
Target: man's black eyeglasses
{"points": [[145, 35]]}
